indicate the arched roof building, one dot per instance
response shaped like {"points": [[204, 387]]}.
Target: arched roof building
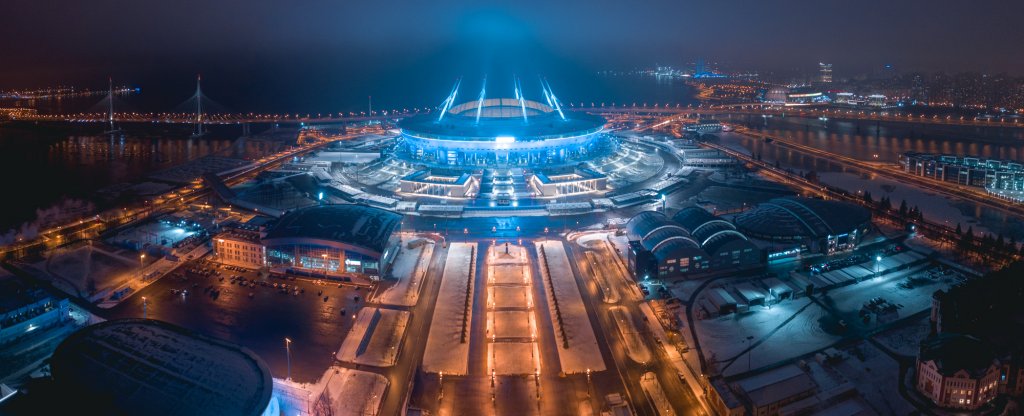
{"points": [[692, 241], [832, 224]]}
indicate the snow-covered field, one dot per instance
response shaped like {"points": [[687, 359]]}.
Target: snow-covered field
{"points": [[636, 349], [409, 269], [509, 358], [583, 352], [787, 330], [935, 207], [445, 350], [381, 340], [906, 338], [340, 392]]}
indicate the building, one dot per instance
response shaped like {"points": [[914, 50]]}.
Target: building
{"points": [[693, 242], [238, 246], [765, 393], [704, 126], [825, 71], [813, 225], [436, 184], [502, 132], [958, 371], [25, 308], [876, 100], [149, 367], [706, 157], [333, 240], [975, 352], [994, 175], [580, 181]]}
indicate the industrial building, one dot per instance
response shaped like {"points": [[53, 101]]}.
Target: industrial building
{"points": [[693, 242], [809, 225], [333, 240]]}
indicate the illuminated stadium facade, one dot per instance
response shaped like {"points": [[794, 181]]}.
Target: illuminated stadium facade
{"points": [[503, 132]]}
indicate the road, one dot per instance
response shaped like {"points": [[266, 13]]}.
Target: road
{"points": [[614, 272]]}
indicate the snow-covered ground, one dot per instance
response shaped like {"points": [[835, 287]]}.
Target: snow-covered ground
{"points": [[906, 338], [583, 352], [652, 388], [511, 322], [379, 332], [445, 350], [786, 330], [876, 376], [339, 392], [408, 270], [893, 288], [508, 358], [935, 207], [510, 297], [636, 349]]}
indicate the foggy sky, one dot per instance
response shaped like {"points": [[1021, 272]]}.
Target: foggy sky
{"points": [[46, 41]]}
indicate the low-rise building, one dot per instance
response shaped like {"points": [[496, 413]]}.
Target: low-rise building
{"points": [[241, 247], [958, 371], [25, 308], [428, 183], [579, 181]]}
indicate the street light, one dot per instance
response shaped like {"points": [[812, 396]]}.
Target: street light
{"points": [[288, 353]]}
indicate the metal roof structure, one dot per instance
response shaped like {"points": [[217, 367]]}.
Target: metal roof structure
{"points": [[356, 225]]}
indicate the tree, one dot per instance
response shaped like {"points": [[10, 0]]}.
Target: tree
{"points": [[867, 197], [959, 230], [903, 208]]}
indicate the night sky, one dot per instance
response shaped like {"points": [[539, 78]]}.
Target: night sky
{"points": [[69, 40]]}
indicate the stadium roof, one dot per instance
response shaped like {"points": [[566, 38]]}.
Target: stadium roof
{"points": [[149, 367], [510, 124], [802, 217], [357, 225]]}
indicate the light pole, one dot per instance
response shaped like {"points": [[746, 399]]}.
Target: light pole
{"points": [[288, 353], [142, 264], [878, 261]]}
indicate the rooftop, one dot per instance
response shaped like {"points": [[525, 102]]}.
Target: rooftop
{"points": [[505, 122], [136, 366], [358, 225]]}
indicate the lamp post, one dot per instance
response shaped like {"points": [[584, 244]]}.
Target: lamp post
{"points": [[142, 264], [288, 354], [878, 261]]}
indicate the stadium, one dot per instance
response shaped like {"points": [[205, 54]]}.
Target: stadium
{"points": [[502, 132]]}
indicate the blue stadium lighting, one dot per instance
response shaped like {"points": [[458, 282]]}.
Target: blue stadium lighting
{"points": [[451, 99], [480, 102]]}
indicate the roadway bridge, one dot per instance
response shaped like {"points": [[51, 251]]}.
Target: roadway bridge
{"points": [[640, 110]]}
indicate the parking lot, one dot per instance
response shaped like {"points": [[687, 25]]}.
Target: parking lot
{"points": [[254, 310]]}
